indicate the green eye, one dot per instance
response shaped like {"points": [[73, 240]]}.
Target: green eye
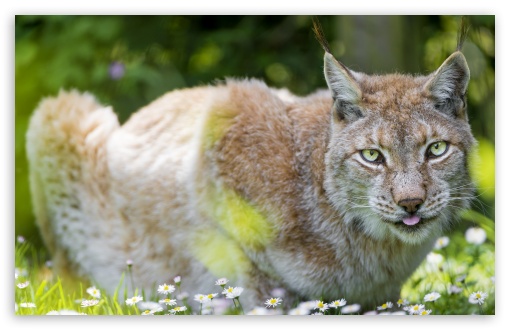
{"points": [[372, 156], [437, 149]]}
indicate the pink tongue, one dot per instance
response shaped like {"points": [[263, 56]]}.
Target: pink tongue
{"points": [[411, 221]]}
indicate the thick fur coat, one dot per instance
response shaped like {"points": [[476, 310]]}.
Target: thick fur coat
{"points": [[251, 183]]}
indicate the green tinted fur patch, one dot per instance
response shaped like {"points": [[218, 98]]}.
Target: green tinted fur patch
{"points": [[216, 125], [239, 219], [221, 255]]}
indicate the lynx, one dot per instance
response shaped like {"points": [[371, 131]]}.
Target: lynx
{"points": [[339, 194]]}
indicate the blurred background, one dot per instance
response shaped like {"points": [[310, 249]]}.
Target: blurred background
{"points": [[128, 61]]}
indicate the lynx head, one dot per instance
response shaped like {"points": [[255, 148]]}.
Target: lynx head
{"points": [[396, 165]]}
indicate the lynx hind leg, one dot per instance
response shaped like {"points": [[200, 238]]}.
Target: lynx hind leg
{"points": [[66, 152]]}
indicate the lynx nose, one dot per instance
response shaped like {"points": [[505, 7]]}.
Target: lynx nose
{"points": [[411, 205]]}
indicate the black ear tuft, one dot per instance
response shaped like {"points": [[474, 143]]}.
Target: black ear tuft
{"points": [[448, 85]]}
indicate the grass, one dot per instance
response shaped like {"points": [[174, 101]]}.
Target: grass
{"points": [[454, 271]]}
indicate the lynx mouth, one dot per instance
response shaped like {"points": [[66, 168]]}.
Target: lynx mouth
{"points": [[412, 224]]}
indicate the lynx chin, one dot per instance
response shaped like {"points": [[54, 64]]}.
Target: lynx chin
{"points": [[339, 194]]}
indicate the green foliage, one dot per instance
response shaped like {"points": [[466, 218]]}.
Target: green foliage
{"points": [[128, 61]]}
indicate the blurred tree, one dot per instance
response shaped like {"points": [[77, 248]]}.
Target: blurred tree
{"points": [[128, 61]]}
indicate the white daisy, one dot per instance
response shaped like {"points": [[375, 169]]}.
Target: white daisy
{"points": [[351, 309], [221, 282], [385, 306], [147, 312], [338, 303], [317, 313], [258, 311], [177, 279], [23, 285], [453, 289], [414, 309], [425, 312], [200, 298], [299, 311], [434, 258], [433, 296], [27, 305], [320, 305], [234, 293], [133, 300], [168, 302], [89, 303], [273, 302], [441, 243], [402, 302], [94, 292], [478, 297], [475, 235], [166, 288], [211, 296]]}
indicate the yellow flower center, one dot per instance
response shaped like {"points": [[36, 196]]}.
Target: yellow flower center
{"points": [[384, 306], [320, 304], [478, 296]]}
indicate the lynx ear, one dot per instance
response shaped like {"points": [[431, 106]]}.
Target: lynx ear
{"points": [[344, 89], [448, 85]]}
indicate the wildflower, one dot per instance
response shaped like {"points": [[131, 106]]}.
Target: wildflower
{"points": [[385, 306], [433, 296], [441, 243], [20, 239], [94, 292], [320, 305], [318, 313], [129, 262], [258, 311], [116, 70], [414, 309], [475, 235], [89, 303], [177, 280], [338, 303], [307, 305], [233, 293], [402, 302], [299, 311], [434, 258], [221, 282], [370, 313], [425, 312], [453, 289], [461, 278], [27, 305], [399, 313], [278, 292], [168, 302], [477, 297], [350, 309], [23, 285], [178, 309], [200, 298], [133, 300], [166, 288], [273, 302], [211, 296], [183, 295], [150, 305]]}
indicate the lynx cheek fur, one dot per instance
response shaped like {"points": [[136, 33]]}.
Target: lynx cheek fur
{"points": [[339, 194]]}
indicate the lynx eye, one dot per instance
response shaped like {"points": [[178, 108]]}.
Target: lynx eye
{"points": [[437, 149], [372, 156]]}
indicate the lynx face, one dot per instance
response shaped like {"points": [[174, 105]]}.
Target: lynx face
{"points": [[397, 159]]}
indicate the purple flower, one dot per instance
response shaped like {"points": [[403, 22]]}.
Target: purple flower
{"points": [[116, 70]]}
